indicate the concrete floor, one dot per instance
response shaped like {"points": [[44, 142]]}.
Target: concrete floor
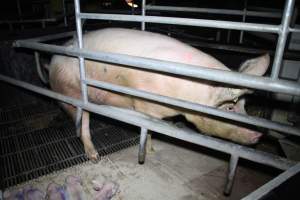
{"points": [[173, 171]]}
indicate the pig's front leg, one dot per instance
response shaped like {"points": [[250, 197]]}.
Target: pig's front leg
{"points": [[85, 135]]}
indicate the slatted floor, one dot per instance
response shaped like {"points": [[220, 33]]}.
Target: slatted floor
{"points": [[37, 138]]}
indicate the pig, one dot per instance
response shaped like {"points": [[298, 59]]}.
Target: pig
{"points": [[64, 78]]}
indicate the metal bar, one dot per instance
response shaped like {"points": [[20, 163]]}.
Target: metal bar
{"points": [[197, 107], [214, 11], [159, 126], [51, 37], [244, 20], [229, 77], [28, 21], [231, 173], [274, 183], [143, 14], [80, 57], [294, 30], [64, 13], [284, 31], [294, 55], [142, 146], [38, 67], [185, 21], [19, 9], [78, 124]]}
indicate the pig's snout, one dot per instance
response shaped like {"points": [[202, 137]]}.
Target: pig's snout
{"points": [[256, 137], [251, 137]]}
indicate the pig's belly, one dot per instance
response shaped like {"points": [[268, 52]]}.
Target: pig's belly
{"points": [[108, 98]]}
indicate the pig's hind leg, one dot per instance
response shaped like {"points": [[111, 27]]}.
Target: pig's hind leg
{"points": [[85, 134]]}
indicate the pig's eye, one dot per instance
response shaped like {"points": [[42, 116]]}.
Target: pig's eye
{"points": [[227, 107], [230, 108]]}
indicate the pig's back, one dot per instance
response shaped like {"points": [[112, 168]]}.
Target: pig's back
{"points": [[147, 44]]}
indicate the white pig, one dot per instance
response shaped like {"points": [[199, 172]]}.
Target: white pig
{"points": [[65, 79]]}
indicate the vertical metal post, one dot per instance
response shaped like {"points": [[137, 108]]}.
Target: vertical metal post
{"points": [[244, 19], [19, 9], [228, 36], [281, 43], [81, 59], [39, 68], [81, 69], [142, 147], [218, 35], [78, 121], [231, 173], [20, 13], [143, 13], [64, 13]]}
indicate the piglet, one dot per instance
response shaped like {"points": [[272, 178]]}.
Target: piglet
{"points": [[106, 190]]}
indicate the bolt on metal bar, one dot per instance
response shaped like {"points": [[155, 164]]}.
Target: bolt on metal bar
{"points": [[274, 183], [159, 126], [214, 11], [80, 57], [231, 173], [283, 34], [229, 77], [142, 146], [185, 21], [196, 107]]}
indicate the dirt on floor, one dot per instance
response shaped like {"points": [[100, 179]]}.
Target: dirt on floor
{"points": [[170, 172]]}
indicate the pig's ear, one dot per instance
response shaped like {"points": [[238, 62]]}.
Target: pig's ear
{"points": [[256, 66]]}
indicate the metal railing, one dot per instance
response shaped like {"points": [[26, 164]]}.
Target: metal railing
{"points": [[148, 123], [42, 21]]}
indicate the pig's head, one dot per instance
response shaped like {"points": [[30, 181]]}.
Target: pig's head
{"points": [[231, 99]]}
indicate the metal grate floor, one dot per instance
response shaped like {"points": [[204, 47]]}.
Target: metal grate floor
{"points": [[38, 138]]}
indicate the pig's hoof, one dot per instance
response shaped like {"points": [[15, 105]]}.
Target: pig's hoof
{"points": [[93, 155]]}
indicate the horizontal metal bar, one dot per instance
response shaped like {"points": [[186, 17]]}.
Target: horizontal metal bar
{"points": [[274, 183], [294, 30], [27, 21], [159, 126], [51, 37], [294, 55], [185, 21], [197, 107], [214, 11], [229, 77]]}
